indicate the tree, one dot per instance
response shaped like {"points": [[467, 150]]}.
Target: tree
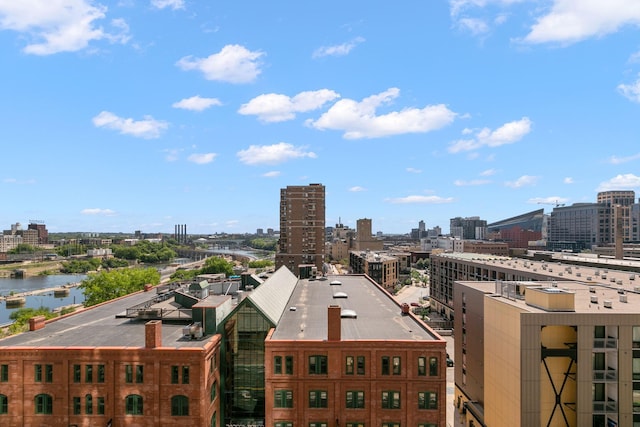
{"points": [[107, 285], [216, 265]]}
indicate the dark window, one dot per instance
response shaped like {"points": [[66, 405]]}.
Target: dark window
{"points": [[317, 399], [355, 399], [179, 406], [318, 364], [360, 365], [4, 404], [288, 361], [139, 373], [283, 399], [386, 365], [48, 373], [100, 408], [38, 373], [77, 406], [128, 373], [133, 404], [318, 424], [4, 373], [433, 366], [88, 404], [283, 424], [43, 404], [100, 373], [214, 390], [355, 424], [427, 400], [422, 366], [185, 375], [88, 374], [174, 374], [277, 365], [391, 399], [77, 373]]}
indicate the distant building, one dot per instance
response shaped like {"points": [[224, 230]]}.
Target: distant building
{"points": [[302, 227], [259, 231], [41, 229], [472, 228], [519, 231], [382, 268], [364, 238]]}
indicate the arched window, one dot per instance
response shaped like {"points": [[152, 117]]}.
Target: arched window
{"points": [[44, 404], [4, 404], [179, 405], [133, 404]]}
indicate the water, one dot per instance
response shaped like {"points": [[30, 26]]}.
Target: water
{"points": [[37, 283]]}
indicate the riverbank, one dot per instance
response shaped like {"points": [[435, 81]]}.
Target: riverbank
{"points": [[39, 291]]}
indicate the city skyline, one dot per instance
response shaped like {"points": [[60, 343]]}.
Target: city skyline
{"points": [[139, 116]]}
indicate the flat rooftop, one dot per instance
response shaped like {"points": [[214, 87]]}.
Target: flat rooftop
{"points": [[378, 314], [102, 326]]}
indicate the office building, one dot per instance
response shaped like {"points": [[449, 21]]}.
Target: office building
{"points": [[365, 241], [547, 354], [382, 268], [472, 228], [302, 227]]}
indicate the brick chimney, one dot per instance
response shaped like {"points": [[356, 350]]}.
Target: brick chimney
{"points": [[153, 334], [334, 326]]}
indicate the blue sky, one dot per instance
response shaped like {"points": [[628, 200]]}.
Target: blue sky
{"points": [[139, 115]]}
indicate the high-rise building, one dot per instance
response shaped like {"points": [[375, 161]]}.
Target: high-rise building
{"points": [[468, 228], [302, 227], [364, 237]]}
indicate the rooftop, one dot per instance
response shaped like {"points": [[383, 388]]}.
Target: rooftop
{"points": [[102, 326], [378, 314]]}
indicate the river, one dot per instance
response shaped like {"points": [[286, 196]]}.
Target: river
{"points": [[37, 300]]}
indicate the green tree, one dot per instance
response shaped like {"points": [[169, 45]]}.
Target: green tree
{"points": [[21, 317], [216, 265], [23, 248], [80, 265], [261, 263], [107, 285]]}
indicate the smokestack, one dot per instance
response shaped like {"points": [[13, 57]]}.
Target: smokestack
{"points": [[153, 334], [334, 327], [619, 231]]}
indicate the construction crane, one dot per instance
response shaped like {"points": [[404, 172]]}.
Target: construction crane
{"points": [[555, 204]]}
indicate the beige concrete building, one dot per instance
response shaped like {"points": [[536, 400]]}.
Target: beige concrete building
{"points": [[364, 237], [547, 354]]}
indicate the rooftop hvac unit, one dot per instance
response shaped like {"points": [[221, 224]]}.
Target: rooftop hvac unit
{"points": [[594, 299], [607, 304], [623, 298], [636, 289], [632, 277], [592, 289]]}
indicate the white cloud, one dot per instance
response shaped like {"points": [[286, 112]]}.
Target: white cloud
{"points": [[615, 160], [148, 128], [273, 154], [19, 182], [473, 182], [506, 134], [627, 181], [272, 174], [631, 91], [488, 172], [196, 103], [273, 107], [173, 4], [523, 181], [568, 180], [338, 50], [202, 158], [459, 6], [570, 21], [433, 200], [59, 26], [97, 211], [233, 64], [359, 119], [357, 189], [473, 25], [414, 170]]}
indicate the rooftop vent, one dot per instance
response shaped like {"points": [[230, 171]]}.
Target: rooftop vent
{"points": [[607, 304], [335, 282], [348, 314], [594, 299], [623, 298], [292, 308], [340, 295], [592, 289]]}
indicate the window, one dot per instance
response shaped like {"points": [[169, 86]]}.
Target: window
{"points": [[88, 404], [214, 390], [4, 373], [427, 400], [139, 373], [88, 374], [386, 365], [288, 365], [355, 399], [283, 424], [44, 404], [185, 375], [317, 399], [318, 364], [422, 366], [174, 375], [128, 373], [396, 365], [38, 373], [133, 404], [176, 372], [434, 425], [390, 424], [48, 373], [283, 399], [100, 373], [318, 424], [277, 365], [4, 404], [356, 424], [391, 399], [433, 366], [100, 406], [179, 406], [349, 365], [360, 365], [77, 407], [77, 373]]}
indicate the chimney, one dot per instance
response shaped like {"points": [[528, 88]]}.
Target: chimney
{"points": [[153, 334], [334, 326]]}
